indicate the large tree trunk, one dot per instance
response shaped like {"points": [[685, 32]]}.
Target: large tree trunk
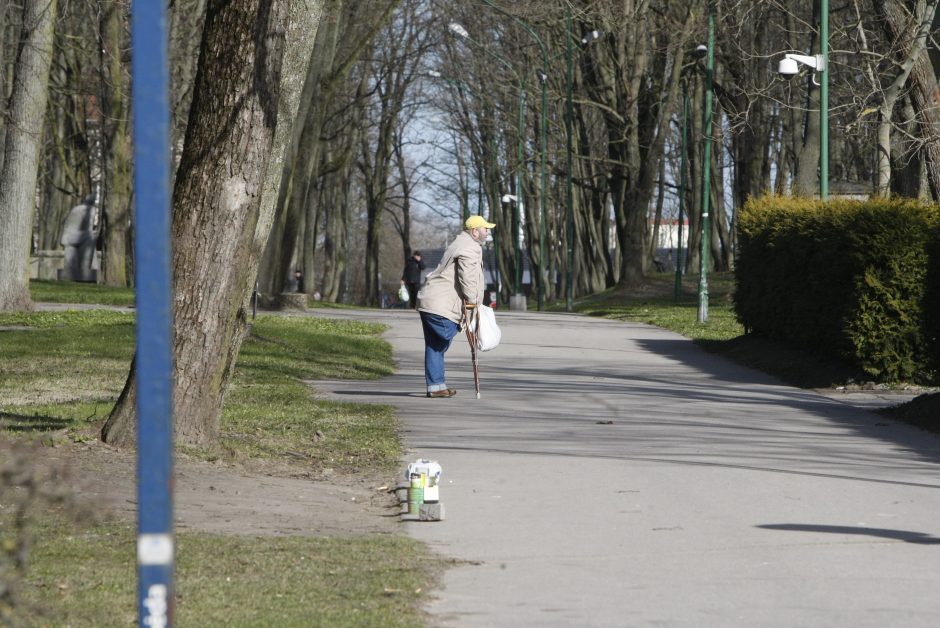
{"points": [[305, 20], [216, 202], [302, 157], [21, 152], [117, 153]]}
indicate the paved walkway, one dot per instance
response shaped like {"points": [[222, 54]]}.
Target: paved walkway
{"points": [[614, 475]]}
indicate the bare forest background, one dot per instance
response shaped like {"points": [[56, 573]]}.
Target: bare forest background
{"points": [[336, 136]]}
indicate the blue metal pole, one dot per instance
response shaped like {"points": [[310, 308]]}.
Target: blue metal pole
{"points": [[155, 545]]}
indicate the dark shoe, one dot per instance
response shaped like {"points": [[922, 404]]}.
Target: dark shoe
{"points": [[447, 392]]}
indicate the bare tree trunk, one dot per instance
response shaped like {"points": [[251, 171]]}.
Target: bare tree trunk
{"points": [[926, 88], [216, 202], [115, 131], [406, 191], [11, 15], [187, 19], [21, 152], [64, 173], [695, 158], [625, 67], [334, 245], [912, 48], [302, 158], [721, 237], [396, 68], [658, 215]]}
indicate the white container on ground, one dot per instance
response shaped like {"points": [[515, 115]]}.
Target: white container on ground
{"points": [[430, 472]]}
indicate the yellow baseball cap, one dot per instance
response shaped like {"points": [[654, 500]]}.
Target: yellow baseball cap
{"points": [[475, 222]]}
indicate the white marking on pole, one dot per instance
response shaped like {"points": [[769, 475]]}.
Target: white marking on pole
{"points": [[155, 549]]}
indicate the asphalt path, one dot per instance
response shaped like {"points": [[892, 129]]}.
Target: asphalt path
{"points": [[613, 474]]}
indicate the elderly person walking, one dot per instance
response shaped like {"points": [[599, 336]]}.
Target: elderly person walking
{"points": [[458, 279]]}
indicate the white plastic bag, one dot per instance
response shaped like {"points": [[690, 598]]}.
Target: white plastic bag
{"points": [[484, 325], [403, 294]]}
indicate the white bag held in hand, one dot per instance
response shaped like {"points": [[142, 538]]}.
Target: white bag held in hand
{"points": [[485, 327], [403, 293]]}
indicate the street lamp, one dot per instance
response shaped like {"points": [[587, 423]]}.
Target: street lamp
{"points": [[458, 30], [789, 66]]}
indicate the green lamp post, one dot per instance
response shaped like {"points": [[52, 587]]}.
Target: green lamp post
{"points": [[706, 169]]}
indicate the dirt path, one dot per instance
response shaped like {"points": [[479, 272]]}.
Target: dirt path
{"points": [[223, 499]]}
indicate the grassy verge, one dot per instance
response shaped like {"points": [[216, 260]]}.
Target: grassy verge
{"points": [[269, 411], [60, 373], [657, 305], [80, 575], [74, 292], [63, 371]]}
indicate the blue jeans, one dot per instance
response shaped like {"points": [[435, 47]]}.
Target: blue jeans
{"points": [[438, 332]]}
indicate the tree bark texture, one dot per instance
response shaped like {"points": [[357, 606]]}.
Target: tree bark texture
{"points": [[216, 202], [21, 152], [636, 85], [925, 92], [116, 142], [302, 157], [299, 56], [187, 21]]}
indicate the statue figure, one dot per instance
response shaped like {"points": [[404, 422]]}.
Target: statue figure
{"points": [[79, 237]]}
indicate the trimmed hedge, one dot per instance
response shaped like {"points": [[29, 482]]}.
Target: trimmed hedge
{"points": [[852, 280]]}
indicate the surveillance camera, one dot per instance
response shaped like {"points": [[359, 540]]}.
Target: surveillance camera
{"points": [[701, 50], [788, 67]]}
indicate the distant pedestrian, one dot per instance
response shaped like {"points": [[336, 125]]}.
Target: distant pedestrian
{"points": [[411, 278], [457, 280]]}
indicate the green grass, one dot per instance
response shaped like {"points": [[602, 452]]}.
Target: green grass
{"points": [[74, 292], [279, 355], [80, 576], [658, 306], [65, 370], [62, 369], [61, 372]]}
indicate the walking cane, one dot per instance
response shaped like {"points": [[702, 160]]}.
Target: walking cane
{"points": [[472, 341]]}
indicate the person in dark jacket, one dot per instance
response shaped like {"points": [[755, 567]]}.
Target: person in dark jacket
{"points": [[411, 278]]}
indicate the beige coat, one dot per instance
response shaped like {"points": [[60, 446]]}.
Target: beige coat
{"points": [[458, 278]]}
